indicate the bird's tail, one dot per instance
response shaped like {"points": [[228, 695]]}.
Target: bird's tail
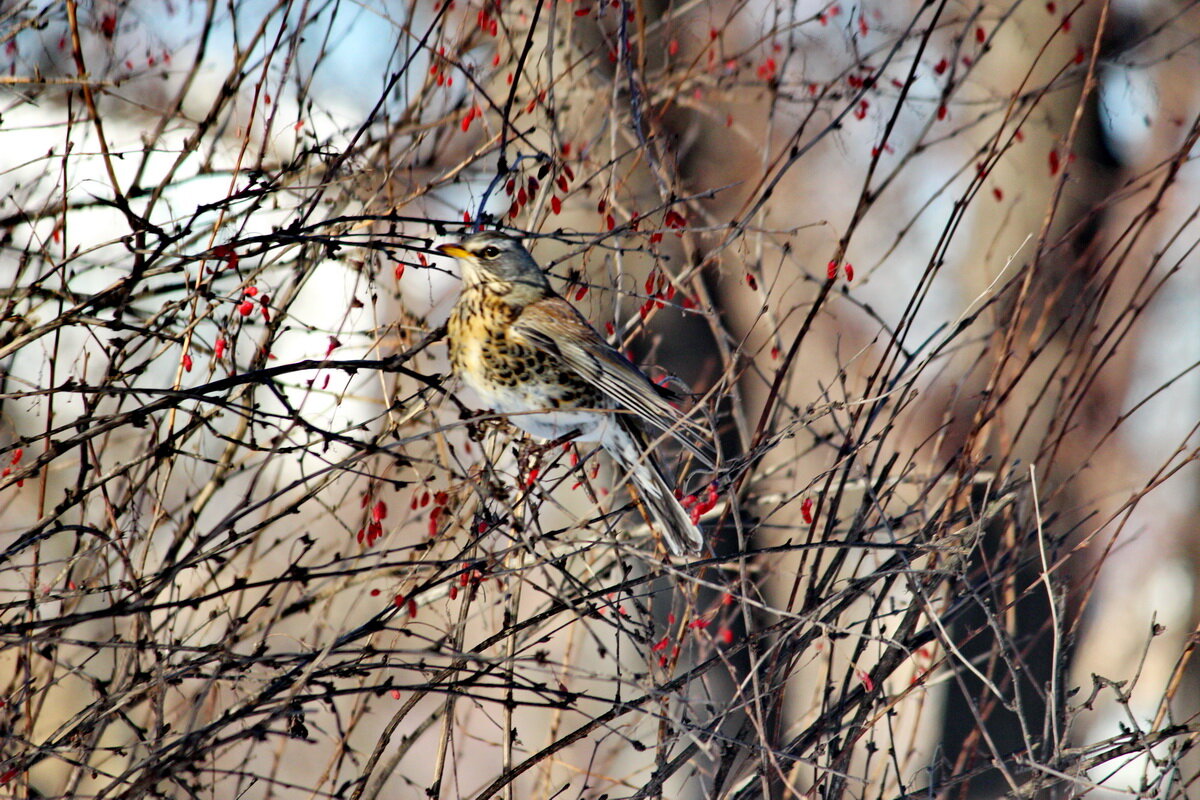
{"points": [[654, 489]]}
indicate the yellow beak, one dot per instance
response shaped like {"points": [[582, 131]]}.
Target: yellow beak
{"points": [[454, 249]]}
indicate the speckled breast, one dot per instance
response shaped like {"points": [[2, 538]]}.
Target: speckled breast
{"points": [[505, 372]]}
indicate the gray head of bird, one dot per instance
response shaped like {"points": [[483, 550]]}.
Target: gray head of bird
{"points": [[489, 256]]}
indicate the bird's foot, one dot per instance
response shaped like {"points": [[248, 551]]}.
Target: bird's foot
{"points": [[529, 459], [546, 447]]}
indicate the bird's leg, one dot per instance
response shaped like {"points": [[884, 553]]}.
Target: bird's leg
{"points": [[529, 459], [546, 447]]}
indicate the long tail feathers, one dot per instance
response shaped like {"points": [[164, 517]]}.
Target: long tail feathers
{"points": [[676, 525], [655, 492]]}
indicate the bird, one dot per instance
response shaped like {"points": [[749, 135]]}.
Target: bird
{"points": [[531, 355]]}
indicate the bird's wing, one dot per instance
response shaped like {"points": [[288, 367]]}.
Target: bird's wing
{"points": [[555, 327]]}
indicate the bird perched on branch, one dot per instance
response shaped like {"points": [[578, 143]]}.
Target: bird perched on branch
{"points": [[528, 353]]}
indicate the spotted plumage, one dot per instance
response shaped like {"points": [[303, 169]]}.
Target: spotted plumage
{"points": [[528, 353]]}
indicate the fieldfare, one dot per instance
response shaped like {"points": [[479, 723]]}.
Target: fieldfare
{"points": [[530, 354]]}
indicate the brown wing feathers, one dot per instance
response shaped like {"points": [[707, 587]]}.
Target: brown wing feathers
{"points": [[554, 326]]}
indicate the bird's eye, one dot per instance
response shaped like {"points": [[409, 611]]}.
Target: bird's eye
{"points": [[490, 252]]}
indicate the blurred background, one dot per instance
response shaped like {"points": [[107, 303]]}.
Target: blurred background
{"points": [[926, 268]]}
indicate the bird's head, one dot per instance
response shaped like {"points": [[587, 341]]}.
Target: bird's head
{"points": [[491, 257]]}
